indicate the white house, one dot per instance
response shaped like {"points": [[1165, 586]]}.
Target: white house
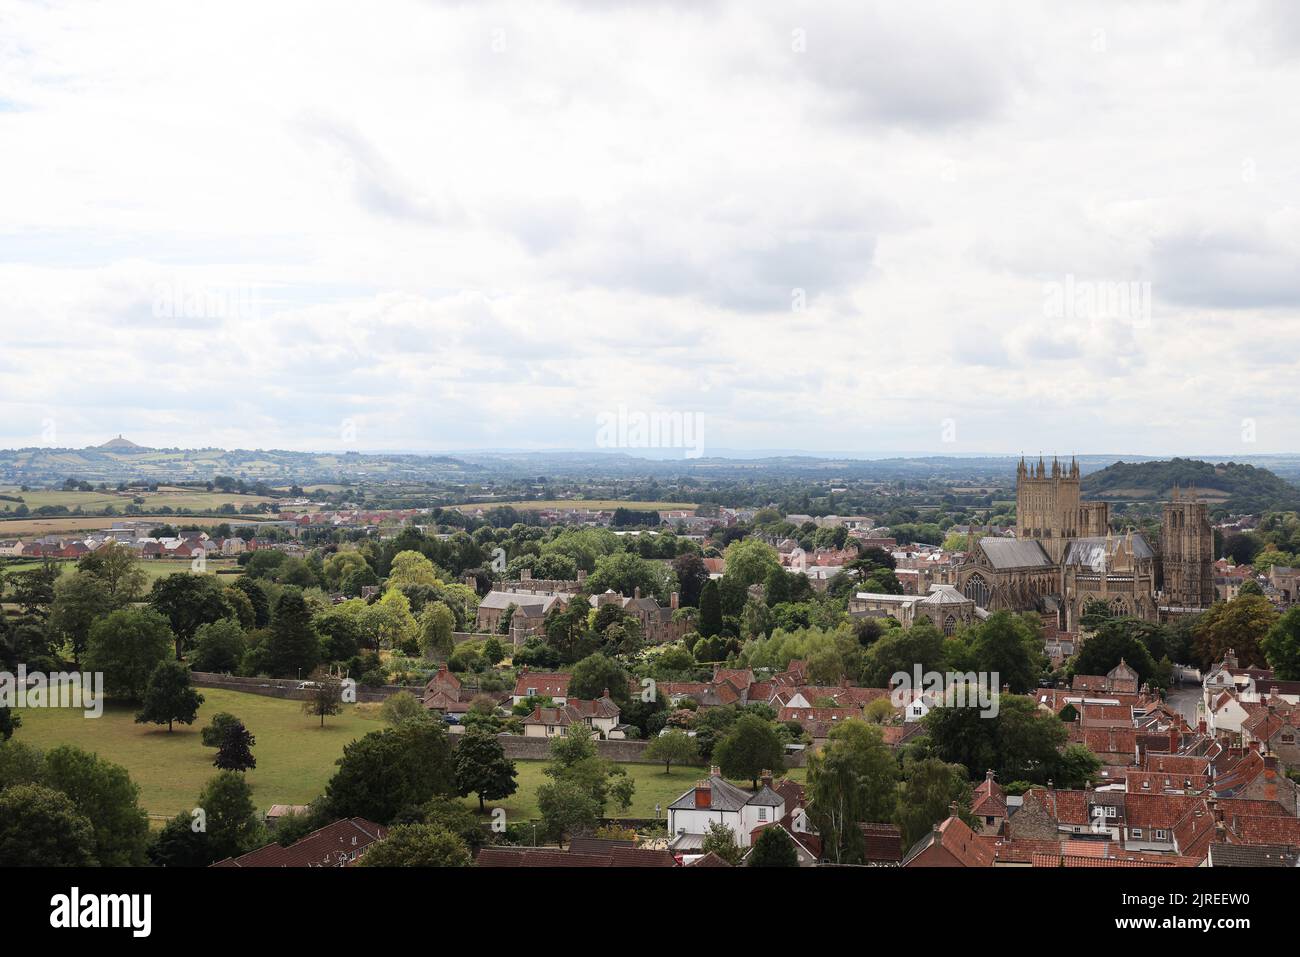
{"points": [[715, 800], [11, 548]]}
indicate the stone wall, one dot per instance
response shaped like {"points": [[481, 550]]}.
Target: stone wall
{"points": [[288, 687]]}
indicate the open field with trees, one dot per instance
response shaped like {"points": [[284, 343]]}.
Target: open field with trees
{"points": [[295, 756]]}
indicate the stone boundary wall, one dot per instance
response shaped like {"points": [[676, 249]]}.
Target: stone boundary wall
{"points": [[288, 687]]}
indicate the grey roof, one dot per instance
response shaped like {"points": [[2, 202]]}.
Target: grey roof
{"points": [[1015, 553], [1090, 552], [1253, 855], [504, 599], [728, 797]]}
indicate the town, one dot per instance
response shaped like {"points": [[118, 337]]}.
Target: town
{"points": [[634, 684]]}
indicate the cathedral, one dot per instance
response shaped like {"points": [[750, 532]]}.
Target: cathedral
{"points": [[1065, 555]]}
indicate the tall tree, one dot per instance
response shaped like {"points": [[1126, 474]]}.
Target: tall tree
{"points": [[482, 766], [749, 749], [293, 647], [1281, 646], [41, 827], [674, 746], [189, 601], [126, 647], [170, 696], [106, 796], [851, 781], [710, 609], [236, 751]]}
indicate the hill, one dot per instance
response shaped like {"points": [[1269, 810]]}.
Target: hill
{"points": [[1231, 485]]}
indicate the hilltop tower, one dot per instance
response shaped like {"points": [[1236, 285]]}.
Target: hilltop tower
{"points": [[1048, 508], [1187, 553]]}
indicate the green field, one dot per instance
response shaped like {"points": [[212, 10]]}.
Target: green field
{"points": [[153, 569], [295, 756], [95, 501]]}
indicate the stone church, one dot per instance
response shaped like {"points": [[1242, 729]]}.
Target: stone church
{"points": [[1065, 555]]}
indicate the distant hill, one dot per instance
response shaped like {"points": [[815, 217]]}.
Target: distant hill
{"points": [[1236, 487], [121, 444]]}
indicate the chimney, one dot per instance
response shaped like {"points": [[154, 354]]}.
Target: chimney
{"points": [[471, 582], [952, 809], [1201, 727], [636, 592], [703, 794], [1270, 761], [765, 778], [605, 693], [1254, 746], [714, 772], [988, 775], [673, 601]]}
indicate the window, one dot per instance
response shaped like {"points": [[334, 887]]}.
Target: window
{"points": [[1160, 835], [762, 814], [1136, 832], [532, 692]]}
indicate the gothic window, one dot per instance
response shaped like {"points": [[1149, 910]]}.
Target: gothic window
{"points": [[949, 625], [978, 590]]}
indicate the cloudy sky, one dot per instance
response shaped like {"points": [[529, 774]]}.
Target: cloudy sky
{"points": [[436, 225]]}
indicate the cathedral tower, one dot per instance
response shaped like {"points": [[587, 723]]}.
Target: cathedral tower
{"points": [[1187, 552], [1048, 508]]}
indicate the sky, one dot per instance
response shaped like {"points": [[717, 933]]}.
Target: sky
{"points": [[951, 228]]}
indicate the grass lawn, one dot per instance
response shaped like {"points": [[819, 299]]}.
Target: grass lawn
{"points": [[295, 756], [652, 787]]}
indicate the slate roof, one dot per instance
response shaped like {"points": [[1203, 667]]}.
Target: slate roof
{"points": [[1014, 553], [727, 797], [1090, 552], [1258, 855]]}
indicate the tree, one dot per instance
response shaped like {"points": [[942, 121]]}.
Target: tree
{"points": [[437, 623], [566, 809], [170, 696], [390, 771], [482, 766], [930, 788], [720, 839], [229, 816], [117, 567], [1239, 624], [1020, 742], [188, 601], [127, 646], [595, 675], [219, 646], [574, 759], [106, 796], [1115, 640], [215, 732], [41, 827], [751, 747], [750, 561], [257, 597], [80, 599], [673, 747], [412, 568], [236, 751], [181, 844], [852, 780], [1281, 646], [901, 651], [324, 696], [710, 609], [417, 845], [9, 723], [691, 574], [1007, 645], [293, 647], [401, 707], [773, 848]]}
